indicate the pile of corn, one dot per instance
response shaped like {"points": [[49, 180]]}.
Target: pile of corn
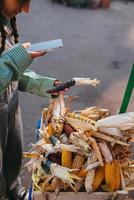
{"points": [[85, 150]]}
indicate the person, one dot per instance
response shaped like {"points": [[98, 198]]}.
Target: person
{"points": [[14, 76]]}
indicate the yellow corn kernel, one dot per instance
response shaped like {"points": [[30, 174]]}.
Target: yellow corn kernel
{"points": [[99, 177], [81, 118], [50, 130], [110, 176], [117, 175], [66, 159]]}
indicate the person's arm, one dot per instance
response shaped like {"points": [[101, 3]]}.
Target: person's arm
{"points": [[13, 63], [35, 84]]}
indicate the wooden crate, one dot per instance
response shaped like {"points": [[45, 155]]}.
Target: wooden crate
{"points": [[78, 196]]}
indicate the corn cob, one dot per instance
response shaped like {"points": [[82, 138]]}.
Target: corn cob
{"points": [[89, 181], [82, 173], [75, 140], [105, 152], [80, 125], [68, 129], [117, 175], [99, 177], [96, 150], [57, 124], [66, 159], [78, 185], [81, 118], [112, 176], [78, 162], [50, 130]]}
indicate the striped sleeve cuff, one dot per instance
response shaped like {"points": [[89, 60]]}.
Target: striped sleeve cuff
{"points": [[19, 57]]}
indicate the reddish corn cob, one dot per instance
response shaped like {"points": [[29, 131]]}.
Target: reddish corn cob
{"points": [[68, 129]]}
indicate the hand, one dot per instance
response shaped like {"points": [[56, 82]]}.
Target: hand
{"points": [[37, 54], [34, 54], [55, 94]]}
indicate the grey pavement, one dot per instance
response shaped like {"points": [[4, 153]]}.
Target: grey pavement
{"points": [[97, 44]]}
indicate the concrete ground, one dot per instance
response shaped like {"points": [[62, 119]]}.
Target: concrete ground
{"points": [[97, 44]]}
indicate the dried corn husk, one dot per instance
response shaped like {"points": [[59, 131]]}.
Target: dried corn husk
{"points": [[106, 152], [123, 121], [73, 146], [94, 113], [111, 131]]}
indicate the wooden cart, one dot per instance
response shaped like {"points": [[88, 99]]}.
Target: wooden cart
{"points": [[79, 196]]}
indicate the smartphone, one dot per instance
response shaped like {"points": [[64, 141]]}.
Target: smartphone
{"points": [[46, 46]]}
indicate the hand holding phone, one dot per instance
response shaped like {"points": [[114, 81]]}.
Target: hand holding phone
{"points": [[34, 54], [45, 46]]}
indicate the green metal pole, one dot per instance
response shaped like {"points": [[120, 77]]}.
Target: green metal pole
{"points": [[128, 92]]}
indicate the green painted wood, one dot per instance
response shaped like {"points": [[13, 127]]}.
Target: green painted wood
{"points": [[128, 92]]}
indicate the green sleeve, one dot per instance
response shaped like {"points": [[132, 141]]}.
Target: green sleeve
{"points": [[13, 63], [35, 84]]}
